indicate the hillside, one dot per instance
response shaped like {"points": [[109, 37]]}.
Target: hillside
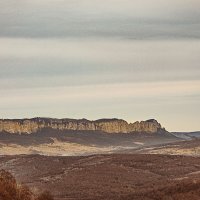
{"points": [[78, 137], [116, 177]]}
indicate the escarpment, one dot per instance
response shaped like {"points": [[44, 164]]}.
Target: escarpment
{"points": [[28, 126]]}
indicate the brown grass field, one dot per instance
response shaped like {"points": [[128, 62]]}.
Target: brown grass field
{"points": [[110, 177]]}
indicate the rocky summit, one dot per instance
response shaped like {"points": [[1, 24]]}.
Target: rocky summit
{"points": [[28, 126]]}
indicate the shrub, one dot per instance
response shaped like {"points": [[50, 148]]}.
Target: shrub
{"points": [[10, 190]]}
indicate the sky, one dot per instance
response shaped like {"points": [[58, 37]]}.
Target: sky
{"points": [[134, 60]]}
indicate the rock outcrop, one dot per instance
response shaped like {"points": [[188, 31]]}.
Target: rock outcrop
{"points": [[28, 126]]}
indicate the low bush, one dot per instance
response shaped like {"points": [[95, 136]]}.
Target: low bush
{"points": [[10, 190]]}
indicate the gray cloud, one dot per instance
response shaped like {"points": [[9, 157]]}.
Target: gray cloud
{"points": [[95, 18], [93, 58], [34, 63]]}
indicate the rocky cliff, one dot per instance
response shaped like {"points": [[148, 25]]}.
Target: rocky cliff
{"points": [[28, 126]]}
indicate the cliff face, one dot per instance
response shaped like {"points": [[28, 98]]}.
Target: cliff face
{"points": [[28, 126]]}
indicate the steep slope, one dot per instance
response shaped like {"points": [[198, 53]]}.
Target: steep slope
{"points": [[29, 126]]}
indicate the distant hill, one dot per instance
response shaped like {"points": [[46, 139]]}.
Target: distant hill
{"points": [[49, 136], [187, 135], [34, 125]]}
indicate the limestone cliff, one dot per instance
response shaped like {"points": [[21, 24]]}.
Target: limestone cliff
{"points": [[28, 126]]}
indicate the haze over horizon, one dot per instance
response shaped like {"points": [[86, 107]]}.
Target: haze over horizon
{"points": [[134, 60]]}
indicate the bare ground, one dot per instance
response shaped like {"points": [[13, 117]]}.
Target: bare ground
{"points": [[187, 148]]}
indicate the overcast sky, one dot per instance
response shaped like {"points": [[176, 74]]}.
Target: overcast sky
{"points": [[100, 59]]}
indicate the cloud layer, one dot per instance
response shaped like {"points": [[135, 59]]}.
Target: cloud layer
{"points": [[94, 18], [128, 59]]}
